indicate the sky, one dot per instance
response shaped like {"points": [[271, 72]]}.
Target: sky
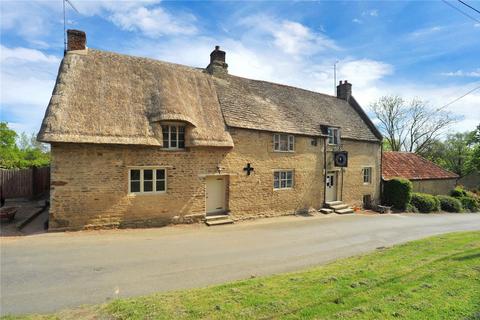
{"points": [[427, 50]]}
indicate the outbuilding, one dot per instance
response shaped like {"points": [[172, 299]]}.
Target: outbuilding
{"points": [[426, 176]]}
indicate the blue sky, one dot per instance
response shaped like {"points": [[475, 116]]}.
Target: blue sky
{"points": [[413, 49]]}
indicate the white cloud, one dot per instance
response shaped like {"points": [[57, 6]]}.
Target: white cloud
{"points": [[363, 72], [23, 55], [27, 79], [424, 32], [154, 22], [372, 13], [357, 21], [289, 36], [461, 73]]}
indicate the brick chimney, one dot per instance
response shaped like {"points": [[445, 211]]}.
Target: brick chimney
{"points": [[344, 90], [217, 64], [77, 40]]}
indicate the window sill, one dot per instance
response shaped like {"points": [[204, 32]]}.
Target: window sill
{"points": [[282, 189], [174, 149], [280, 151], [134, 194]]}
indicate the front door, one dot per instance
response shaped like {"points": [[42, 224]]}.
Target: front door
{"points": [[215, 195], [331, 193]]}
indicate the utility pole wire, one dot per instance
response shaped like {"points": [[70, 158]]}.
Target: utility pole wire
{"points": [[65, 24], [461, 11], [466, 4], [453, 101]]}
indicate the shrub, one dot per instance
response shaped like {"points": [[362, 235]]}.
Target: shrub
{"points": [[470, 203], [411, 208], [450, 204], [397, 192], [425, 203], [458, 192]]}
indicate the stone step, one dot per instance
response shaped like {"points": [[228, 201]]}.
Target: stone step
{"points": [[339, 207], [216, 217], [326, 210], [344, 211], [218, 222], [333, 203]]}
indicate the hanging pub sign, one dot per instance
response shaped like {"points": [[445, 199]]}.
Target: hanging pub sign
{"points": [[340, 158]]}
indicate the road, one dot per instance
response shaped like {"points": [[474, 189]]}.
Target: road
{"points": [[52, 271]]}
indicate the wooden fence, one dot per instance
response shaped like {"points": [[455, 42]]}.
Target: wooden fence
{"points": [[24, 183]]}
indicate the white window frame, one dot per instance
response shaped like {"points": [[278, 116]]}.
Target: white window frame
{"points": [[277, 138], [333, 136], [177, 127], [367, 173], [280, 172], [154, 180]]}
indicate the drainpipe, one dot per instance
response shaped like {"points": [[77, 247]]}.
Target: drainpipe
{"points": [[324, 171], [341, 190]]}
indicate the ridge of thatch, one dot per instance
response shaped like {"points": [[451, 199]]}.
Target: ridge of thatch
{"points": [[263, 105], [105, 97]]}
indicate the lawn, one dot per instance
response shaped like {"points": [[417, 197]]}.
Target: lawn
{"points": [[433, 278]]}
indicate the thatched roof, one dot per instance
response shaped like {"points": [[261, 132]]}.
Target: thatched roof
{"points": [[103, 97], [274, 107]]}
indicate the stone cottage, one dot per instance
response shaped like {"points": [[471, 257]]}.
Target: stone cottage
{"points": [[425, 175], [138, 142]]}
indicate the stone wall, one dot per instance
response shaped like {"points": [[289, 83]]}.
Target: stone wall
{"points": [[90, 182], [437, 186]]}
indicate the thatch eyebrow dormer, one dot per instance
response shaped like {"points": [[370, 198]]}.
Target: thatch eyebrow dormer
{"points": [[109, 98]]}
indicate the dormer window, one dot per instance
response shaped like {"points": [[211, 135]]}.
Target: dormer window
{"points": [[283, 142], [333, 136], [173, 136]]}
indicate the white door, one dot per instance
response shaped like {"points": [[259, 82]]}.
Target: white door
{"points": [[331, 193], [215, 194]]}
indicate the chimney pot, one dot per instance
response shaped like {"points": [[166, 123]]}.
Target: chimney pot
{"points": [[344, 90], [77, 40], [217, 64]]}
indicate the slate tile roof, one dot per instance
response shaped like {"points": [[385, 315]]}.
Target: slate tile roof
{"points": [[412, 166], [268, 106]]}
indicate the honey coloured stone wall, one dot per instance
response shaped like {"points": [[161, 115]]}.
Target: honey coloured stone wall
{"points": [[90, 182], [361, 154]]}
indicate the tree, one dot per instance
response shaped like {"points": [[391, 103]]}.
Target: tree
{"points": [[21, 151], [410, 126], [459, 152]]}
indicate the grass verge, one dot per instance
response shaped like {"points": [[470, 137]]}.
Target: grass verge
{"points": [[433, 278]]}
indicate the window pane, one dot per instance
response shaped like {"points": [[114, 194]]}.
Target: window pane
{"points": [[181, 129], [289, 175], [290, 143], [181, 144], [160, 174], [134, 174], [147, 174], [160, 185], [147, 186], [283, 175], [134, 186], [283, 184], [165, 136], [289, 183]]}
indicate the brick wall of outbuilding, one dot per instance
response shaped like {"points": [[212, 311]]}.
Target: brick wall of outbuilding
{"points": [[90, 182]]}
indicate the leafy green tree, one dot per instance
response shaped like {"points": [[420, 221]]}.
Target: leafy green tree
{"points": [[21, 151]]}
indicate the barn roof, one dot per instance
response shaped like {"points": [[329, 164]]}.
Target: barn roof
{"points": [[412, 166], [111, 98]]}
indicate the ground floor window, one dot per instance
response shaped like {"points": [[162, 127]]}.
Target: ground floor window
{"points": [[283, 179], [147, 180], [367, 175]]}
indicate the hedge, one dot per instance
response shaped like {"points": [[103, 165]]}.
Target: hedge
{"points": [[397, 192], [425, 203], [470, 203], [450, 204], [458, 192]]}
